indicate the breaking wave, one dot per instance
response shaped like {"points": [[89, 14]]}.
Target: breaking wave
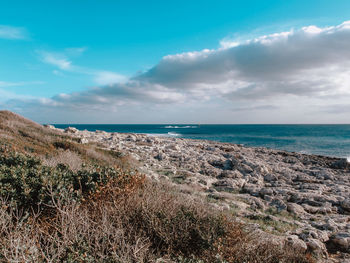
{"points": [[169, 134], [174, 134], [180, 127]]}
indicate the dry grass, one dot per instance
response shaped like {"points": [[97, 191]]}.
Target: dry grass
{"points": [[239, 245], [24, 136], [135, 222], [69, 158]]}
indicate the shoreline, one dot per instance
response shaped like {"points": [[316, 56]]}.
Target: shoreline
{"points": [[176, 133], [305, 198]]}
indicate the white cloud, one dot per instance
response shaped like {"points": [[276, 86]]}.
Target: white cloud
{"points": [[6, 95], [75, 51], [10, 32], [311, 61], [55, 59], [292, 70], [63, 62], [107, 77], [6, 84]]}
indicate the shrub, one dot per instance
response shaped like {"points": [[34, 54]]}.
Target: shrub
{"points": [[136, 222], [27, 184], [66, 145]]}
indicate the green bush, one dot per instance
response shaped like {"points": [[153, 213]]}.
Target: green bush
{"points": [[27, 184]]}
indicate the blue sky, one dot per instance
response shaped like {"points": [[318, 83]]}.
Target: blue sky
{"points": [[162, 61]]}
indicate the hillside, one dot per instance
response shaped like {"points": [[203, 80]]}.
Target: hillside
{"points": [[64, 198]]}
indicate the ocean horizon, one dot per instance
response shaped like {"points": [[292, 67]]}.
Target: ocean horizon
{"points": [[320, 139]]}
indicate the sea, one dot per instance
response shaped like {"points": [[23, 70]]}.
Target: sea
{"points": [[327, 140]]}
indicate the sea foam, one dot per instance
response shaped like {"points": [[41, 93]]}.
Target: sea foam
{"points": [[174, 134], [180, 127]]}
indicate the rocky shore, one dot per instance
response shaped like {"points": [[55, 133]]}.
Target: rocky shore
{"points": [[304, 199]]}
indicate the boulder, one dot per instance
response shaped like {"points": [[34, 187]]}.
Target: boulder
{"points": [[295, 209], [316, 247], [296, 243], [265, 191], [83, 140], [340, 164], [314, 234], [131, 138], [340, 242], [71, 130], [270, 178], [235, 174], [345, 205], [228, 185], [279, 204], [160, 156], [49, 126], [101, 132], [221, 164]]}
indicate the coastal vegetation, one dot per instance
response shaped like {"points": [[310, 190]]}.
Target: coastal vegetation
{"points": [[64, 201]]}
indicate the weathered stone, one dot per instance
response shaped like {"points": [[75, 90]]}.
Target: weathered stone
{"points": [[71, 130], [101, 132], [265, 191], [345, 205], [228, 185], [160, 156], [231, 174], [315, 234], [83, 140], [340, 242], [295, 209], [340, 164], [222, 164], [270, 178], [317, 247], [296, 243], [279, 204], [131, 138]]}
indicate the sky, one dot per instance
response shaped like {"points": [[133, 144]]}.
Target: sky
{"points": [[84, 61]]}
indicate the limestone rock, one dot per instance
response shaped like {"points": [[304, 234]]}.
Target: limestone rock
{"points": [[317, 247], [345, 205], [296, 243], [83, 140], [49, 126], [340, 164], [71, 130], [340, 242], [295, 209]]}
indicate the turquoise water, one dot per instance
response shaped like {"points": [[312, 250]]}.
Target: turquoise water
{"points": [[330, 140]]}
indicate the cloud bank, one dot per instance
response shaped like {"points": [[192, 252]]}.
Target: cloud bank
{"points": [[293, 72]]}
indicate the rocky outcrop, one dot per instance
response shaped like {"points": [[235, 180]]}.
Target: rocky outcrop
{"points": [[71, 130], [306, 198], [49, 126]]}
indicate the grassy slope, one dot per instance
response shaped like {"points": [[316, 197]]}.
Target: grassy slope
{"points": [[64, 201], [27, 137]]}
